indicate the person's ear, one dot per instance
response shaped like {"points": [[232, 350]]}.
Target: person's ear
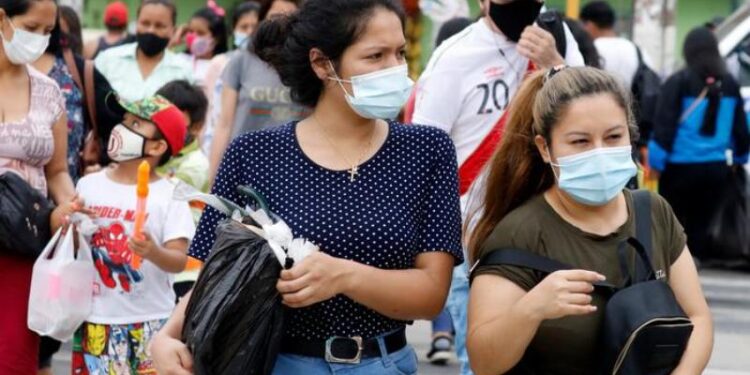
{"points": [[541, 146], [320, 64], [3, 19], [157, 148]]}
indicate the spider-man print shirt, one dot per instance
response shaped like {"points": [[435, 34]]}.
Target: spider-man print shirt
{"points": [[123, 292]]}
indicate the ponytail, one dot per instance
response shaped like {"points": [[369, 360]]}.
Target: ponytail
{"points": [[516, 171]]}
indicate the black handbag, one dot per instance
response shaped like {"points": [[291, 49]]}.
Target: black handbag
{"points": [[24, 217], [644, 331]]}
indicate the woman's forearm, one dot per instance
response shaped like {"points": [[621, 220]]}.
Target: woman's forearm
{"points": [[698, 352], [398, 294], [497, 345], [173, 326], [60, 186]]}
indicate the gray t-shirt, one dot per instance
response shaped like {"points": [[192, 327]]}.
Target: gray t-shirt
{"points": [[263, 100]]}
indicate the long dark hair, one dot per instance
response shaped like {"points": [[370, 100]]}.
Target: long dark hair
{"points": [[329, 25], [73, 39], [517, 172], [585, 43], [217, 26], [267, 4], [14, 8], [701, 52], [242, 9]]}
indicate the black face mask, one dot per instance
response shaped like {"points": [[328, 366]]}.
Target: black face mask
{"points": [[513, 17], [151, 44]]}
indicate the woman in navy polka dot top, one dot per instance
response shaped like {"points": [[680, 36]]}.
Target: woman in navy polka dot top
{"points": [[379, 198]]}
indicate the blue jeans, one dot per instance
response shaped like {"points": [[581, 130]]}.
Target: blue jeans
{"points": [[443, 323], [458, 301], [402, 362]]}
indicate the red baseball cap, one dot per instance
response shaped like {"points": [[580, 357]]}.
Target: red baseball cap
{"points": [[165, 115], [116, 14]]}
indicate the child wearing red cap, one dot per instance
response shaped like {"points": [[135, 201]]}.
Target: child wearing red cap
{"points": [[131, 303]]}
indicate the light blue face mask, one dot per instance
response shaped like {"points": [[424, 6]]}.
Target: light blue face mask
{"points": [[240, 39], [378, 95], [596, 177]]}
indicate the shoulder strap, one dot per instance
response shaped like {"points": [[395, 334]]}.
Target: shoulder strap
{"points": [[642, 204], [642, 242], [70, 61], [640, 55], [89, 94], [526, 259]]}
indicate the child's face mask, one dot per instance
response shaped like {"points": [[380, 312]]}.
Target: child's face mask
{"points": [[126, 144]]}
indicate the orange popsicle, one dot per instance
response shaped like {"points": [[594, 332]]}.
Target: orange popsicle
{"points": [[141, 190]]}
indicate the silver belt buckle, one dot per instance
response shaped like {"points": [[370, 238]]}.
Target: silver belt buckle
{"points": [[356, 340]]}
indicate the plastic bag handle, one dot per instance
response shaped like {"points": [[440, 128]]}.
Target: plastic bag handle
{"points": [[255, 195], [51, 245]]}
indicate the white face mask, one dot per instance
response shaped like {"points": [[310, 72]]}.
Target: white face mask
{"points": [[25, 47], [125, 144], [380, 94], [240, 39]]}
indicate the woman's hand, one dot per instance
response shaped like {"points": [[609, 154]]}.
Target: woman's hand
{"points": [[170, 355], [319, 277], [562, 293]]}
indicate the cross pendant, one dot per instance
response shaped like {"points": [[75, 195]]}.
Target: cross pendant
{"points": [[353, 173]]}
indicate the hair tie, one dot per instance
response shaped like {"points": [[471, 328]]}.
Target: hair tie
{"points": [[219, 11], [554, 70]]}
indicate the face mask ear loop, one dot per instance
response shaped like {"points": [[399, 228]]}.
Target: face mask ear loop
{"points": [[552, 164], [338, 80]]}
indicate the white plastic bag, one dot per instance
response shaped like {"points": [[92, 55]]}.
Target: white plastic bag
{"points": [[62, 287]]}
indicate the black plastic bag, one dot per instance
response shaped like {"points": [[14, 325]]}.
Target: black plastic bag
{"points": [[234, 320], [729, 230]]}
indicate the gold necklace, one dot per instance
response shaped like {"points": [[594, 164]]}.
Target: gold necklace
{"points": [[354, 170]]}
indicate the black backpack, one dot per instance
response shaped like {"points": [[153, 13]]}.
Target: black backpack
{"points": [[644, 331], [645, 87]]}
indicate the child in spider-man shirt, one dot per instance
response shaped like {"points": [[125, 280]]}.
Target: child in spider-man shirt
{"points": [[131, 300]]}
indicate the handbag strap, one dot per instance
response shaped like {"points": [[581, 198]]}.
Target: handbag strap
{"points": [[70, 62], [87, 89], [89, 94], [527, 259]]}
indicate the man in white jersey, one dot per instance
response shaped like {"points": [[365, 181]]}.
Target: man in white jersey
{"points": [[465, 91]]}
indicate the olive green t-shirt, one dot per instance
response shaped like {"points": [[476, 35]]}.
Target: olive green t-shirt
{"points": [[569, 345]]}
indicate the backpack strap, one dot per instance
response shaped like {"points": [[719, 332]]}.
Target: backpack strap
{"points": [[526, 259], [642, 205], [642, 243], [639, 53]]}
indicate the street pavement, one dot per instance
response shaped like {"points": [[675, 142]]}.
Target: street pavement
{"points": [[728, 294]]}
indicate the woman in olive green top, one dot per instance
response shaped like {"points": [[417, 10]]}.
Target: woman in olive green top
{"points": [[555, 187]]}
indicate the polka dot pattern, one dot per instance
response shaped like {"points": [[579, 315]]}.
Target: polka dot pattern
{"points": [[404, 202]]}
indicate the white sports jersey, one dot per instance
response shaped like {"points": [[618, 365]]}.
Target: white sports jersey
{"points": [[469, 82]]}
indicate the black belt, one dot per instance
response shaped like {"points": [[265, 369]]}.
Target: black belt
{"points": [[344, 349]]}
